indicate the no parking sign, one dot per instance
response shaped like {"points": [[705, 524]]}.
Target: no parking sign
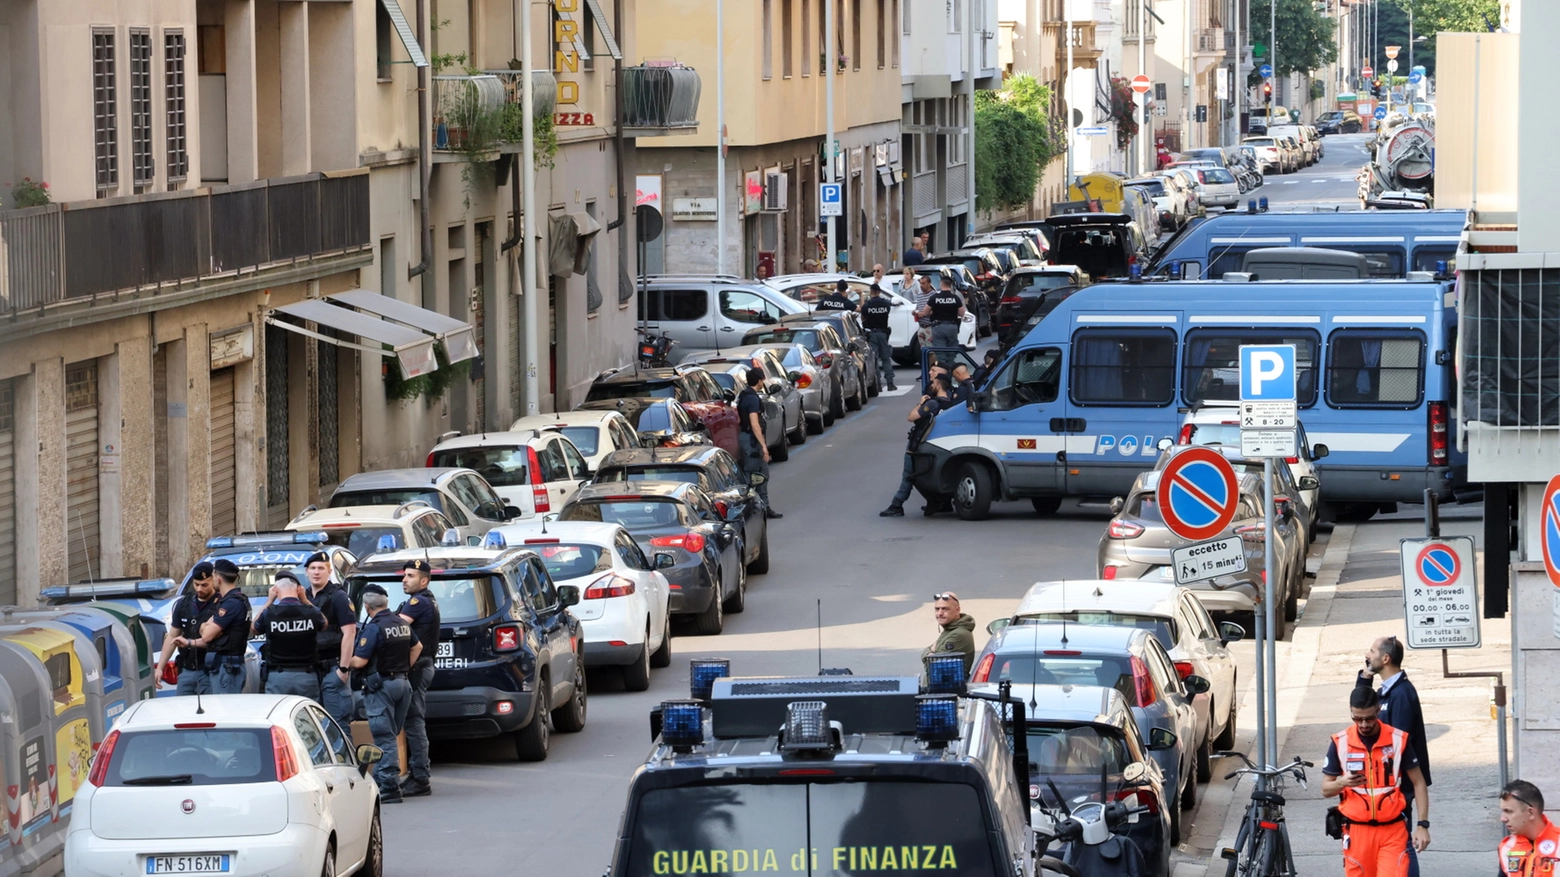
{"points": [[1440, 593], [1550, 540]]}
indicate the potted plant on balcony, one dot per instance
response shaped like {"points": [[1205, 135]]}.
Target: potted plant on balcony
{"points": [[29, 193]]}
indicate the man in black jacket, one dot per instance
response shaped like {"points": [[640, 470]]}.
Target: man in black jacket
{"points": [[1399, 709]]}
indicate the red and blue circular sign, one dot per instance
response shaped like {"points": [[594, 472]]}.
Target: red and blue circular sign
{"points": [[1551, 530], [1438, 565], [1198, 494]]}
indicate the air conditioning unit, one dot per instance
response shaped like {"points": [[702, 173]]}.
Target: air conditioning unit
{"points": [[776, 185]]}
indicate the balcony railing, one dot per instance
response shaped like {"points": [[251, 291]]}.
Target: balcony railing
{"points": [[1210, 40], [1083, 43], [660, 98], [64, 252], [475, 112]]}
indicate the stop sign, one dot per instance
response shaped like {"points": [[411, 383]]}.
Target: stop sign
{"points": [[1140, 84]]}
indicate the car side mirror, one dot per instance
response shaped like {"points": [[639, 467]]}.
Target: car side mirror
{"points": [[569, 595], [1117, 503], [1309, 482], [368, 755], [728, 395], [663, 560], [1160, 739], [998, 625], [793, 377], [1319, 451], [1230, 632], [1195, 684], [1191, 271], [510, 512]]}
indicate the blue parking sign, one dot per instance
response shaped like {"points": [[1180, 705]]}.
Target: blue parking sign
{"points": [[830, 200], [1267, 373]]}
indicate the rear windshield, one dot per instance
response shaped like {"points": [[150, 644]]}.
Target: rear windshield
{"points": [[1107, 671], [1162, 628], [1144, 506], [1100, 251], [1023, 283], [727, 381], [808, 338], [1218, 175], [461, 599], [192, 757], [501, 465], [1154, 188], [632, 390], [685, 474], [1216, 434], [572, 560], [1260, 141], [1076, 749], [877, 827], [387, 496], [632, 514], [363, 541], [584, 438], [654, 418]]}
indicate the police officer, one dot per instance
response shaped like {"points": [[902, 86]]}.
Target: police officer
{"points": [[225, 633], [421, 611], [291, 626], [836, 300], [334, 641], [874, 318], [386, 650], [184, 627], [754, 459], [945, 308]]}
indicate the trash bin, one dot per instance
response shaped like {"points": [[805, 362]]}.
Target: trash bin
{"points": [[69, 718], [138, 648], [97, 643], [32, 809]]}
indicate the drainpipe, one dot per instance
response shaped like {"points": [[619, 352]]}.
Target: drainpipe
{"points": [[514, 189], [528, 303], [619, 141], [424, 159]]}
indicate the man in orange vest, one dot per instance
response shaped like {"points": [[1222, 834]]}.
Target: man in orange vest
{"points": [[1533, 847], [1366, 764]]}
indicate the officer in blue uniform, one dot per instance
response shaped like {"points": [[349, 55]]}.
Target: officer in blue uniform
{"points": [[290, 626], [421, 611], [334, 641], [385, 652], [189, 613], [225, 635]]}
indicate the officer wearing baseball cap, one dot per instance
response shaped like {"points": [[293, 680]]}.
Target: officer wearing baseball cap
{"points": [[189, 613], [386, 650], [421, 611], [225, 634], [290, 625]]}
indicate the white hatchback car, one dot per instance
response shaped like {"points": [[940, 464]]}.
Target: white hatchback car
{"points": [[366, 529], [536, 471], [625, 604], [1218, 423], [230, 784], [595, 434]]}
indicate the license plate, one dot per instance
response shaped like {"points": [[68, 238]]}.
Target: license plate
{"points": [[211, 863], [446, 650]]}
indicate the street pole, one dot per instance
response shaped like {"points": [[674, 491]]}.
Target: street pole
{"points": [[1272, 57], [1237, 82], [1143, 128], [1411, 89], [831, 57], [1269, 572], [969, 107], [528, 318], [1067, 98], [720, 137]]}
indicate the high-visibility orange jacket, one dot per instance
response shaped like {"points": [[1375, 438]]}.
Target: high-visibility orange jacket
{"points": [[1381, 799], [1521, 857]]}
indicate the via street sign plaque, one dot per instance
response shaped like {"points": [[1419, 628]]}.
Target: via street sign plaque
{"points": [[1208, 560], [1259, 443], [1440, 593], [1268, 415]]}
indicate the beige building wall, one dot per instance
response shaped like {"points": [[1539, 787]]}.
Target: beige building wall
{"points": [[1477, 79]]}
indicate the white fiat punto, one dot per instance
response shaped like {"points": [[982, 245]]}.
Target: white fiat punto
{"points": [[233, 784]]}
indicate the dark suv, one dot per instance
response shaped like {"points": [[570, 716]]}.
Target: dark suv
{"points": [[703, 399], [1102, 244], [509, 651]]}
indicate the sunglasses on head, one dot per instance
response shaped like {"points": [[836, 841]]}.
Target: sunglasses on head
{"points": [[946, 595]]}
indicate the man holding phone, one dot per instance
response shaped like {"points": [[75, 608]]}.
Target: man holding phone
{"points": [[1400, 709], [1366, 765]]}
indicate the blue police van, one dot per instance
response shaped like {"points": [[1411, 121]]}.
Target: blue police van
{"points": [[1393, 242], [1079, 407]]}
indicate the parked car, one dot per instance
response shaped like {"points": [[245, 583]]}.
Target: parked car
{"points": [[1301, 139], [807, 288], [1128, 659], [181, 783], [840, 368], [700, 396], [535, 471], [1270, 155], [1022, 244], [1167, 201], [805, 377], [461, 494], [1218, 187], [781, 400], [659, 423], [364, 530], [594, 434], [1218, 424], [1185, 187], [707, 577], [510, 655], [705, 312], [857, 347], [1102, 244], [624, 607], [1024, 299]]}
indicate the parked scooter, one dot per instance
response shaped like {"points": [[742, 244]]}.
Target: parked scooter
{"points": [[655, 351], [1094, 834]]}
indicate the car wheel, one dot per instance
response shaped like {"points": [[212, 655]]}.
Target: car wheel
{"points": [[1292, 598], [856, 398], [1189, 789], [570, 717], [972, 491], [1226, 739], [1205, 757], [781, 451], [1046, 506], [329, 868], [636, 676], [531, 741], [815, 427], [913, 358], [799, 435], [828, 416], [760, 564], [837, 406], [662, 657], [738, 599], [712, 619], [872, 385], [374, 856]]}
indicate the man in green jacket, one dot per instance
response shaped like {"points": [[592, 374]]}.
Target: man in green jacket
{"points": [[957, 630]]}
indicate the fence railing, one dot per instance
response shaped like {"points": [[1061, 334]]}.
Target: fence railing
{"points": [[1210, 39], [660, 96], [76, 250], [483, 109]]}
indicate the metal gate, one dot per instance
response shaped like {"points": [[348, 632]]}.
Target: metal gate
{"points": [[7, 493], [329, 395], [81, 468], [224, 470], [277, 468]]}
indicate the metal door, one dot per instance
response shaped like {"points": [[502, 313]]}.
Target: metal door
{"points": [[224, 473], [81, 467]]}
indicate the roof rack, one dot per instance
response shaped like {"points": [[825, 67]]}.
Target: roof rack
{"points": [[270, 538], [722, 277]]}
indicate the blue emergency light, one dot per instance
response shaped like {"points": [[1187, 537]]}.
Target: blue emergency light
{"points": [[702, 673], [937, 718], [682, 723], [945, 673], [388, 542], [494, 541]]}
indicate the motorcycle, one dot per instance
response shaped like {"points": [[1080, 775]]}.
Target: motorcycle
{"points": [[655, 351], [1094, 834]]}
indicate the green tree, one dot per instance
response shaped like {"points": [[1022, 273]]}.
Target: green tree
{"points": [[1432, 17], [1014, 140], [1308, 41]]}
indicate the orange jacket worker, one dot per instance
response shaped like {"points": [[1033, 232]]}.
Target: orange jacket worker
{"points": [[1533, 847], [1366, 764]]}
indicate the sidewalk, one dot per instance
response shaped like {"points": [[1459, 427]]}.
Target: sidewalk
{"points": [[1357, 597]]}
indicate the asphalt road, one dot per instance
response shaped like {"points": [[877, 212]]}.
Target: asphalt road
{"points": [[1328, 183], [872, 580]]}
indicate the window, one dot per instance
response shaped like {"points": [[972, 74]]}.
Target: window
{"points": [[142, 166], [105, 111], [679, 305], [806, 37], [553, 467], [1032, 377], [538, 587], [426, 531], [1426, 258], [626, 549], [787, 49], [905, 20], [1211, 371], [572, 459], [208, 756], [882, 44], [855, 35], [1123, 367], [313, 739], [340, 746], [907, 31], [1381, 263], [956, 14], [823, 36], [1375, 369], [747, 307], [384, 42], [769, 39], [504, 465], [173, 104]]}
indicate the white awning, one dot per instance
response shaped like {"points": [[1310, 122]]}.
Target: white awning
{"points": [[413, 348], [459, 339], [408, 39]]}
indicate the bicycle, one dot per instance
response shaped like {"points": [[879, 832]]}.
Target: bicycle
{"points": [[1262, 844]]}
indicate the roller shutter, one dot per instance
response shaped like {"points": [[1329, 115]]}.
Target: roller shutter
{"points": [[81, 468], [7, 494], [224, 471]]}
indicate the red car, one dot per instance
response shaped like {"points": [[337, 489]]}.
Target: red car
{"points": [[703, 399]]}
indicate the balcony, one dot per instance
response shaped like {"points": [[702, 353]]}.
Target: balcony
{"points": [[660, 99], [1210, 40], [482, 113], [130, 255], [1085, 50]]}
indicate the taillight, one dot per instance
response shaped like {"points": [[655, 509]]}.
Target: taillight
{"points": [[1187, 431], [1124, 530], [506, 637], [1146, 695], [690, 542], [429, 462], [538, 487], [1147, 800], [609, 585], [1292, 460], [282, 751], [1252, 533], [170, 673], [1184, 668], [1011, 300], [804, 381], [1108, 573], [105, 752], [983, 669], [1438, 434]]}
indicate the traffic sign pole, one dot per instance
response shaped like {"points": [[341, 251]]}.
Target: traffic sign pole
{"points": [[1268, 575]]}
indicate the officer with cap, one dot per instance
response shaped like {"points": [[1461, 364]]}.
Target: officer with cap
{"points": [[946, 309], [836, 300], [189, 613], [421, 611], [225, 634], [290, 625], [333, 644], [386, 650]]}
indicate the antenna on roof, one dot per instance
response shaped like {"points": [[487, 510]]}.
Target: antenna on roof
{"points": [[820, 636], [199, 709]]}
